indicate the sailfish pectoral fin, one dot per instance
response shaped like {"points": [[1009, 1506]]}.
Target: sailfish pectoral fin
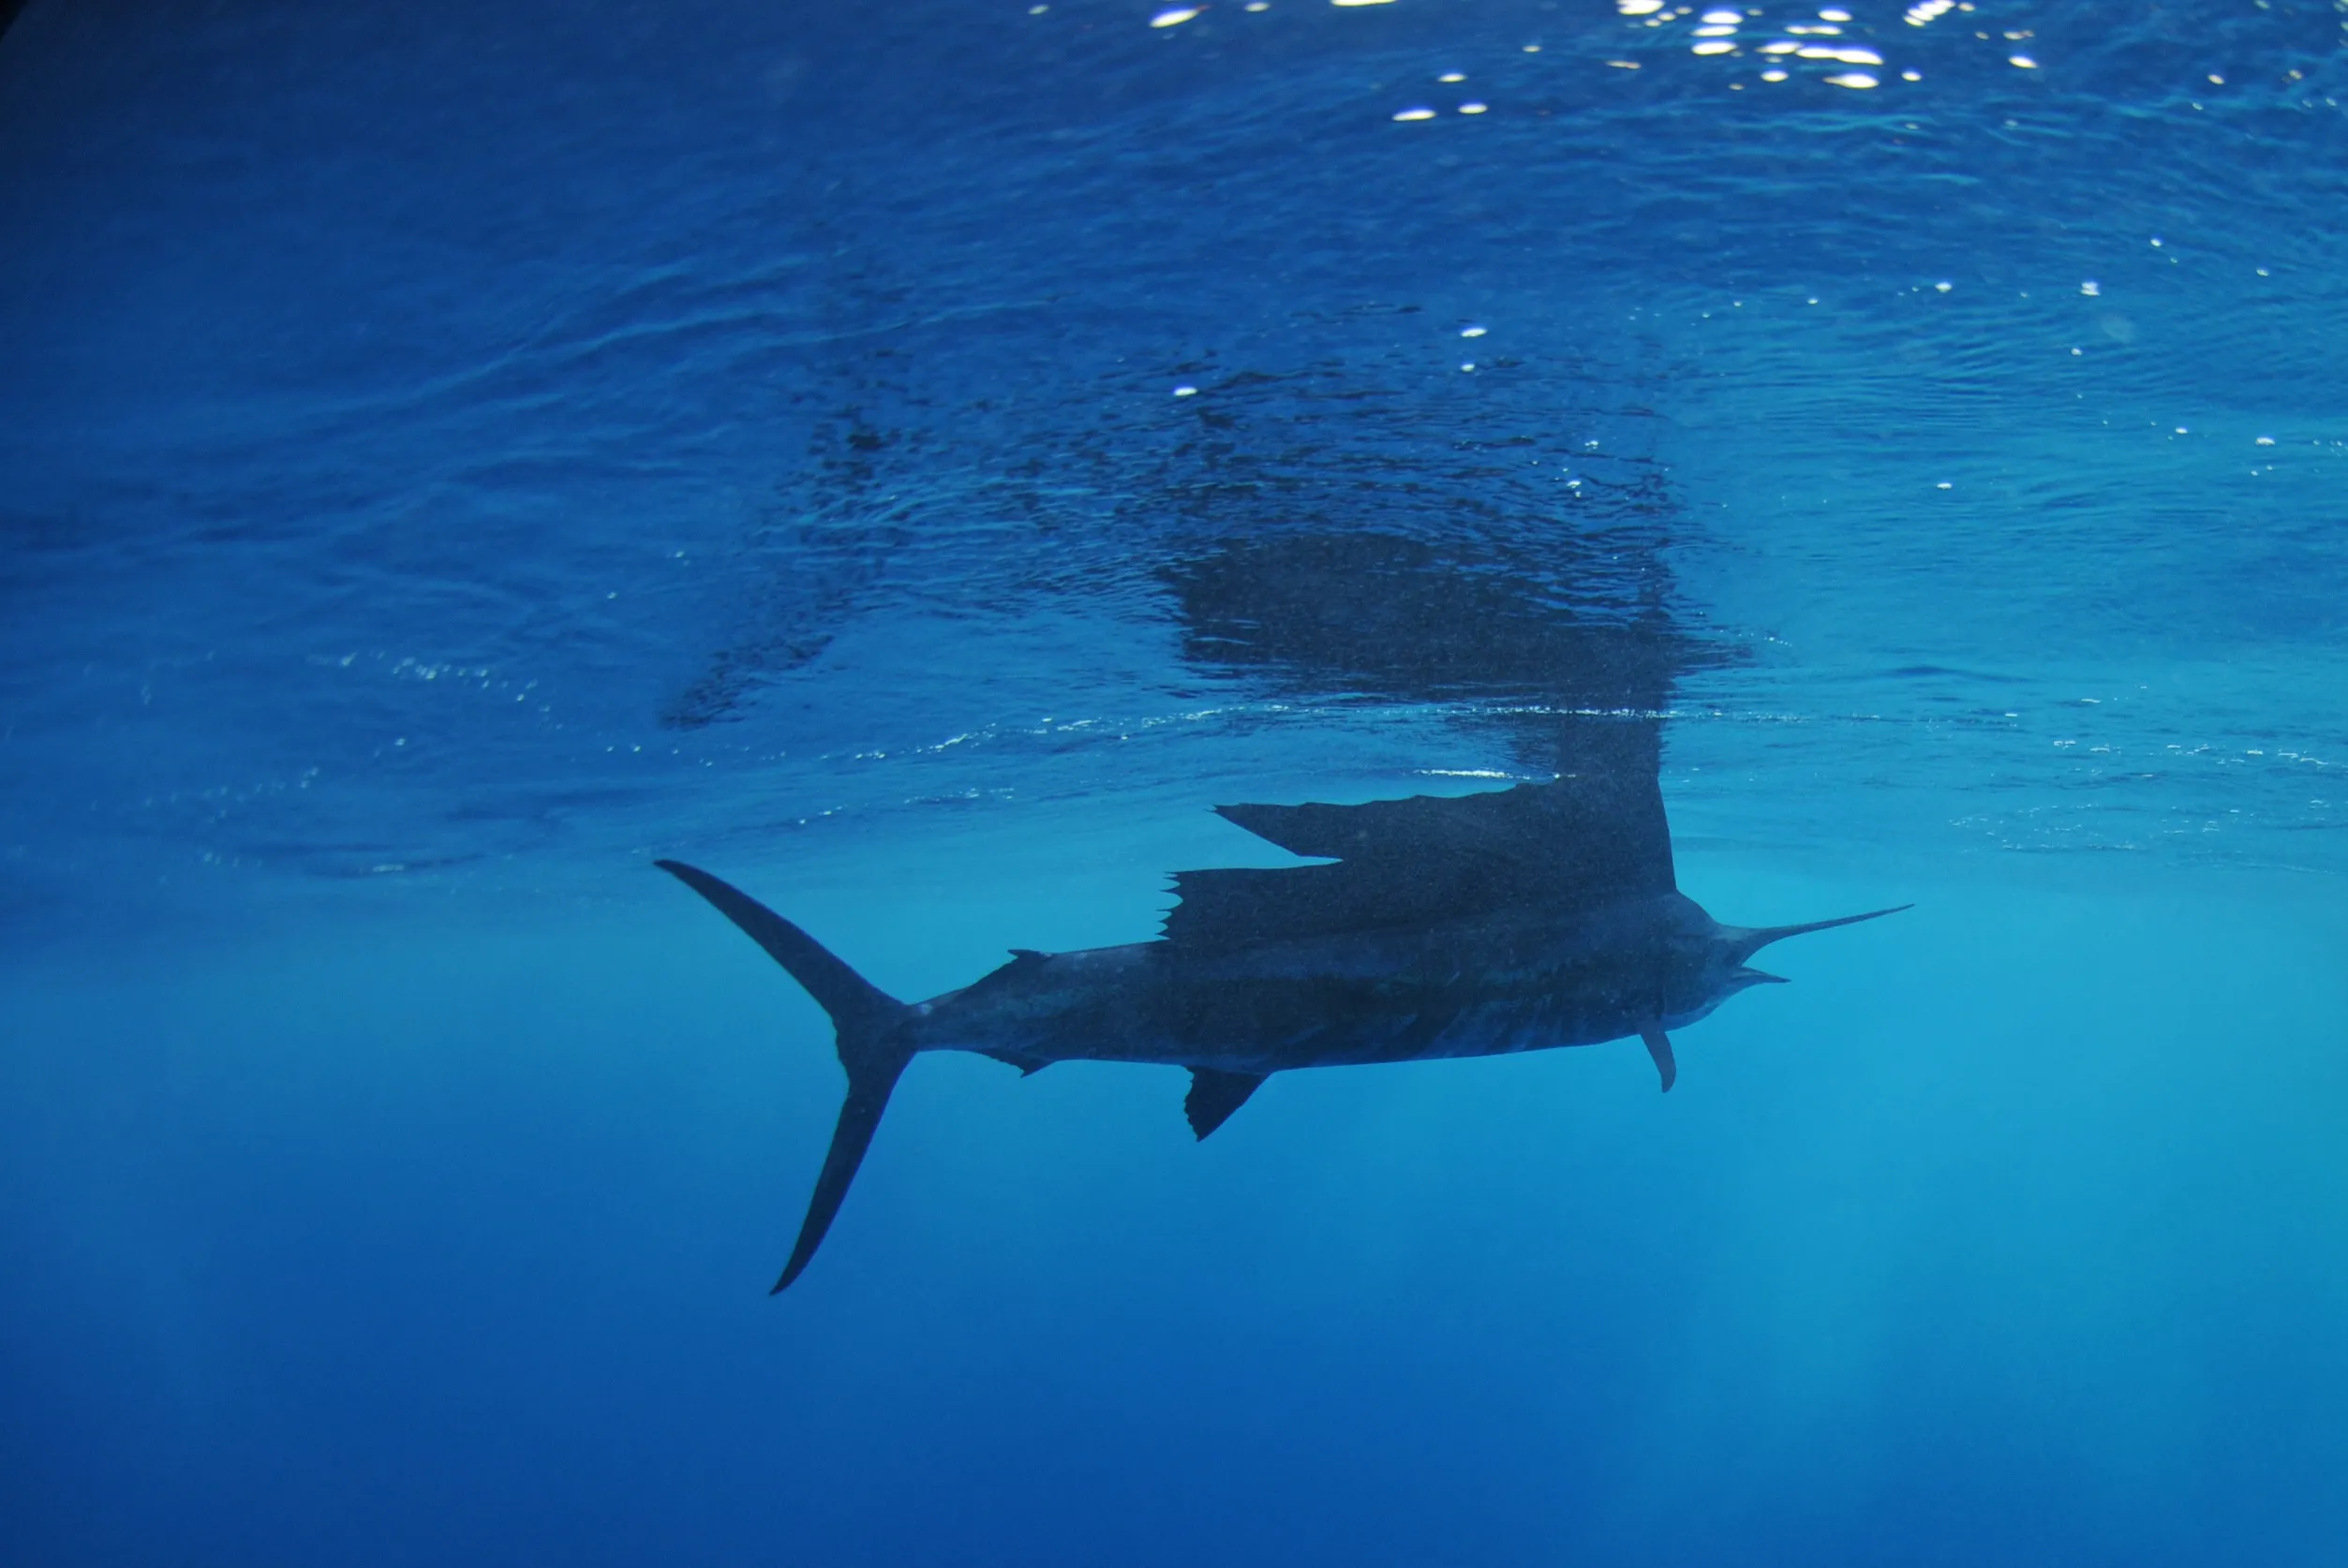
{"points": [[1660, 1047], [1214, 1095]]}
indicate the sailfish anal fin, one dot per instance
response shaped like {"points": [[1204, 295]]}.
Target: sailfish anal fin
{"points": [[1660, 1047], [1214, 1095], [1028, 1066]]}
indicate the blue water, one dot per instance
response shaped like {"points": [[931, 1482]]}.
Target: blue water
{"points": [[914, 461]]}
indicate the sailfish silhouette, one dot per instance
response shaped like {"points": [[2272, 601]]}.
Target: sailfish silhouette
{"points": [[1522, 919]]}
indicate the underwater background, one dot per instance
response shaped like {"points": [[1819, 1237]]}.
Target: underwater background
{"points": [[915, 459]]}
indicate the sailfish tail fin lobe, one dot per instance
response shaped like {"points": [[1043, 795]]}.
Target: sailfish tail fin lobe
{"points": [[873, 1042], [1758, 937]]}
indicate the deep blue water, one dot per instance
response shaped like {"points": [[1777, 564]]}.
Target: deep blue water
{"points": [[915, 460]]}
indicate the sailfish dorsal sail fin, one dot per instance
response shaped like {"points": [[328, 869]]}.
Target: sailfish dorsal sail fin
{"points": [[1569, 844]]}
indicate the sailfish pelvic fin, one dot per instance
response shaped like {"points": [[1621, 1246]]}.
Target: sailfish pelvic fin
{"points": [[1660, 1047]]}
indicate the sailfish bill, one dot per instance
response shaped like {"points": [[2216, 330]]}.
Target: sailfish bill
{"points": [[1752, 938]]}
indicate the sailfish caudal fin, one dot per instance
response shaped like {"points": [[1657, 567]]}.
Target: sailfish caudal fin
{"points": [[873, 1045]]}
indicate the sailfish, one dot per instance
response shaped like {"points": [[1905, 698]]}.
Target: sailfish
{"points": [[1524, 919]]}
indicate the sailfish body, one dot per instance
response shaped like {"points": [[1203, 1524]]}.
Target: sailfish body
{"points": [[1526, 919], [1511, 981]]}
